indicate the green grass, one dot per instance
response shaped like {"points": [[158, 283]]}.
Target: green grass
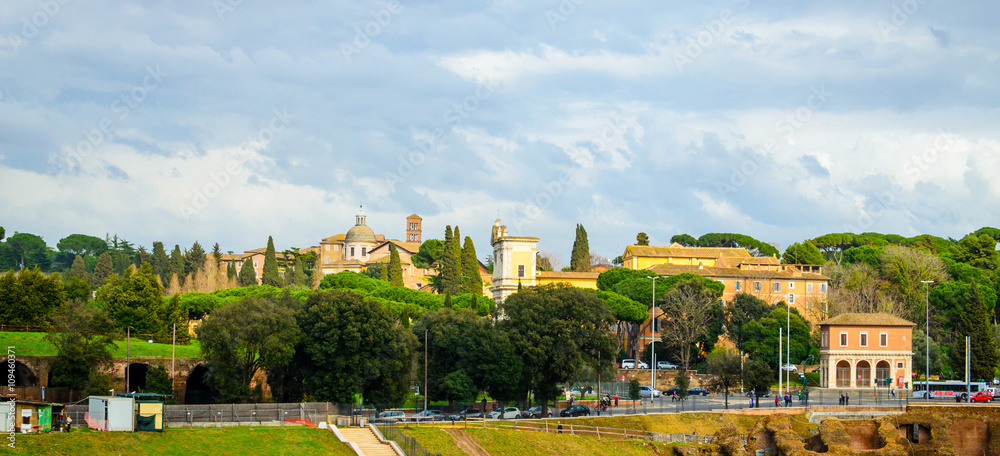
{"points": [[207, 442], [434, 440], [34, 344], [677, 423], [519, 443]]}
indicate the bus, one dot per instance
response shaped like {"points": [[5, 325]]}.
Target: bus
{"points": [[946, 389]]}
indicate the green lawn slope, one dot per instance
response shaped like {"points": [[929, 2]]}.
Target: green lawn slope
{"points": [[34, 344], [200, 442]]}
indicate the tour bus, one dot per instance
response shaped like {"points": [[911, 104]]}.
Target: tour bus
{"points": [[946, 389]]}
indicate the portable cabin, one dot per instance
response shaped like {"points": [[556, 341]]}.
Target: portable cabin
{"points": [[111, 413], [29, 417]]}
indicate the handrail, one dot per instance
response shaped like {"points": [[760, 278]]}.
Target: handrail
{"points": [[408, 445]]}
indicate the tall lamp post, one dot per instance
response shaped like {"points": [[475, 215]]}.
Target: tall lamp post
{"points": [[927, 339], [652, 344]]}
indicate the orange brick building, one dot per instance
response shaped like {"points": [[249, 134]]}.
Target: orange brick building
{"points": [[862, 350]]}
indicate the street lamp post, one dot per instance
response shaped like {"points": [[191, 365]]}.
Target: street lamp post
{"points": [[927, 339], [652, 344]]}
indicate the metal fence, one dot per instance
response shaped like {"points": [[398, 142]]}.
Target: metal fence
{"points": [[409, 445]]}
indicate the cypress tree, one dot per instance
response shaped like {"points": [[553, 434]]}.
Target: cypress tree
{"points": [[580, 257], [300, 272], [161, 264], [102, 271], [449, 264], [231, 270], [975, 323], [395, 267], [270, 272], [177, 265], [194, 258], [470, 264], [247, 275], [217, 253], [447, 300], [78, 269], [383, 272]]}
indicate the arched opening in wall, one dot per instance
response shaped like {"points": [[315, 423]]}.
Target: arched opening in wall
{"points": [[198, 390], [843, 374], [864, 374], [883, 377], [136, 375], [23, 375]]}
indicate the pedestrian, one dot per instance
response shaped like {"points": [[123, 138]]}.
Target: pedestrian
{"points": [[751, 401], [674, 398], [892, 393], [847, 399], [69, 423], [841, 399], [776, 404], [616, 400], [484, 404]]}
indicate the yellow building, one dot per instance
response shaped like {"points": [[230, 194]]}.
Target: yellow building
{"points": [[514, 264], [360, 247], [799, 285]]}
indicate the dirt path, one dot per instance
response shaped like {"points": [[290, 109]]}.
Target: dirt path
{"points": [[465, 443]]}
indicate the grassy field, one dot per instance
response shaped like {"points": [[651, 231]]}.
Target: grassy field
{"points": [[207, 442], [34, 344], [677, 423], [518, 443]]}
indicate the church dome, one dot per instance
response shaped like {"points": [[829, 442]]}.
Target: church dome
{"points": [[360, 233]]}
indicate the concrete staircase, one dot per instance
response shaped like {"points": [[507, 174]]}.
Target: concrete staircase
{"points": [[366, 440]]}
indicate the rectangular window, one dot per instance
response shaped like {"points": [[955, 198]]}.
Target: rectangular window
{"points": [[864, 339], [822, 288], [899, 365], [883, 339], [777, 287], [520, 270], [738, 285], [826, 340], [809, 288], [364, 251], [328, 247], [352, 251], [756, 286], [336, 248], [327, 260], [255, 265], [843, 339], [791, 298], [791, 285]]}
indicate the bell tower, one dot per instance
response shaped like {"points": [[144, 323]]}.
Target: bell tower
{"points": [[413, 228]]}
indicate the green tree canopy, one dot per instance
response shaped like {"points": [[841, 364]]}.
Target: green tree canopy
{"points": [[725, 368], [177, 264], [255, 333], [81, 334], [194, 258], [974, 322], [978, 251], [429, 254], [743, 309], [762, 336], [686, 240], [755, 247], [556, 329], [27, 297], [161, 263], [642, 239], [26, 251], [135, 300], [351, 345], [802, 253]]}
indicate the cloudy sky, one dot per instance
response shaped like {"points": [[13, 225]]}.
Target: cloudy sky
{"points": [[228, 121]]}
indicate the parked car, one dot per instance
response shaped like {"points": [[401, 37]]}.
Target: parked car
{"points": [[789, 368], [575, 410], [390, 416], [698, 391], [982, 396], [434, 415], [670, 392], [666, 365], [648, 391], [467, 413], [535, 412], [507, 413]]}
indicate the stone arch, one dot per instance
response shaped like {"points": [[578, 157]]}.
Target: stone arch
{"points": [[197, 390], [883, 371], [843, 374], [135, 374], [864, 370], [23, 375]]}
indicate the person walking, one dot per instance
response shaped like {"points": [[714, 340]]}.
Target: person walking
{"points": [[776, 403], [616, 400], [751, 401], [847, 399], [841, 398]]}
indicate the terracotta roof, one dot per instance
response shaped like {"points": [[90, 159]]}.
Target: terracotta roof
{"points": [[413, 216], [386, 259], [687, 252], [567, 275], [341, 261], [866, 319], [715, 271], [736, 262], [334, 238]]}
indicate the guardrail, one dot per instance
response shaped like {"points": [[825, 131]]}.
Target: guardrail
{"points": [[409, 445]]}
